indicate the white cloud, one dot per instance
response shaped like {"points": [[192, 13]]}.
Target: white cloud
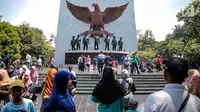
{"points": [[156, 15]]}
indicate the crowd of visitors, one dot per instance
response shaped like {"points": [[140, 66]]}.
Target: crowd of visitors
{"points": [[181, 93]]}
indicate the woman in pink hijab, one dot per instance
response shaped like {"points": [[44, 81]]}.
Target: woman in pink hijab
{"points": [[27, 84], [34, 75]]}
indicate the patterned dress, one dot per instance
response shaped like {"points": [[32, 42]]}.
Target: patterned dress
{"points": [[193, 83]]}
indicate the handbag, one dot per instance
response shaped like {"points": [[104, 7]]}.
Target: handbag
{"points": [[36, 89]]}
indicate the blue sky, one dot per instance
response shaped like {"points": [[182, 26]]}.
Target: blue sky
{"points": [[156, 15]]}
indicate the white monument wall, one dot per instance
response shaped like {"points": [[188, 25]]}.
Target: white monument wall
{"points": [[69, 26]]}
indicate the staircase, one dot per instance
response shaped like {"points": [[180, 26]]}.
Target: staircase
{"points": [[145, 83]]}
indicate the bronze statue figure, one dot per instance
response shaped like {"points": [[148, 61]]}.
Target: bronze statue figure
{"points": [[107, 41], [97, 18], [85, 43], [120, 43], [73, 43], [96, 43], [114, 43], [78, 43]]}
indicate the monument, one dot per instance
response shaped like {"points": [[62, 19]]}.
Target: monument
{"points": [[95, 24]]}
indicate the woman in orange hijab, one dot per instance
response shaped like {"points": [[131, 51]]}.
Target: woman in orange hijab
{"points": [[48, 86]]}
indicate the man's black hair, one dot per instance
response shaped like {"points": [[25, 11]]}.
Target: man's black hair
{"points": [[177, 68]]}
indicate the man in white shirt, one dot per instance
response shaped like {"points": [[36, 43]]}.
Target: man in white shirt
{"points": [[174, 94], [28, 60]]}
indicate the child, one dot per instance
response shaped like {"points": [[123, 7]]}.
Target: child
{"points": [[18, 103], [132, 105]]}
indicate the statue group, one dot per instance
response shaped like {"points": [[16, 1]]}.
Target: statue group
{"points": [[76, 43]]}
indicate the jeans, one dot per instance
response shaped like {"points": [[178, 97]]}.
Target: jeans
{"points": [[134, 65]]}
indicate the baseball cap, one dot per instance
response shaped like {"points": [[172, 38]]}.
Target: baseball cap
{"points": [[18, 83], [176, 65]]}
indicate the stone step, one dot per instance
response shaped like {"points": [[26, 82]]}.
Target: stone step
{"points": [[95, 82], [136, 80], [135, 93], [138, 89], [134, 77], [97, 79], [158, 74], [96, 76], [137, 85]]}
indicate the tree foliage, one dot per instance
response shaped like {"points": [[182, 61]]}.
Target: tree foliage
{"points": [[146, 44], [185, 39], [23, 39], [34, 42], [9, 40]]}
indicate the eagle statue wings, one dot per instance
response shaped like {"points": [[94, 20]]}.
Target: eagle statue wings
{"points": [[96, 19]]}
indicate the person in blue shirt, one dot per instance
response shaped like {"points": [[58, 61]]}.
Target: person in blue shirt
{"points": [[18, 104], [100, 58], [108, 93]]}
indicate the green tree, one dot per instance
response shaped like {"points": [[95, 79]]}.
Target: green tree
{"points": [[146, 44], [52, 38], [146, 40], [9, 40], [1, 17], [34, 42], [192, 52]]}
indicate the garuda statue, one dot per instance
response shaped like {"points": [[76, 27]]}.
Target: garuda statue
{"points": [[96, 19]]}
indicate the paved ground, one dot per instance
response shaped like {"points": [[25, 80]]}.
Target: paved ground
{"points": [[84, 104]]}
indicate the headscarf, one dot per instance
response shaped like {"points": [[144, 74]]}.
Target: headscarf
{"points": [[49, 82], [27, 84], [126, 80], [27, 71], [33, 72], [5, 78], [60, 99], [13, 73], [108, 90], [193, 82]]}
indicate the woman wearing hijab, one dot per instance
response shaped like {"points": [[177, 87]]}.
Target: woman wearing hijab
{"points": [[5, 82], [26, 71], [193, 82], [48, 86], [27, 83], [34, 75], [108, 93], [60, 99], [12, 72], [128, 86]]}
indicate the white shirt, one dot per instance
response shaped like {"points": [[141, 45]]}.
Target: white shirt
{"points": [[28, 58], [170, 100], [73, 73]]}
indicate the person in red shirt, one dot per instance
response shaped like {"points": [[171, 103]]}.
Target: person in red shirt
{"points": [[159, 63]]}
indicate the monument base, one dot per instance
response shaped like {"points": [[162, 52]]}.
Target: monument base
{"points": [[71, 57], [96, 33]]}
